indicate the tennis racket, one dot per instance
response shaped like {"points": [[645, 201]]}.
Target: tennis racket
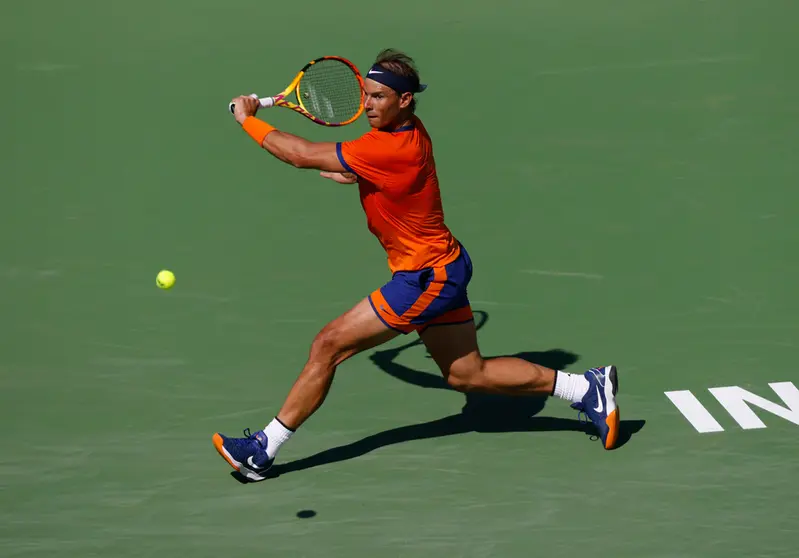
{"points": [[329, 91]]}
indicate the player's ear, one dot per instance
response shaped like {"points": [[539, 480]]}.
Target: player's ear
{"points": [[405, 100]]}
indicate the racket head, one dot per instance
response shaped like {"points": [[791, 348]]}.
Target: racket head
{"points": [[329, 91]]}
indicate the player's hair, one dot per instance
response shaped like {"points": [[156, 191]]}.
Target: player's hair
{"points": [[397, 62]]}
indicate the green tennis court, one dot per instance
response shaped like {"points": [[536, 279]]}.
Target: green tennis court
{"points": [[624, 177]]}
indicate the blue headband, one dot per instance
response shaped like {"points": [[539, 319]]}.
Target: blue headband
{"points": [[396, 82]]}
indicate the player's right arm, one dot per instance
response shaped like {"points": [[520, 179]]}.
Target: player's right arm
{"points": [[289, 148], [302, 153], [344, 162]]}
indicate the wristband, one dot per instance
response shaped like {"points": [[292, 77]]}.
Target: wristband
{"points": [[257, 129]]}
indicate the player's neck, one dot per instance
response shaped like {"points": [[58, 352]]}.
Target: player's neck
{"points": [[402, 122]]}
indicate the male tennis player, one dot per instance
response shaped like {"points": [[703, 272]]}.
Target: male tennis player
{"points": [[394, 168]]}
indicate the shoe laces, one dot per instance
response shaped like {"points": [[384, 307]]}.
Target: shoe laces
{"points": [[582, 417], [254, 438]]}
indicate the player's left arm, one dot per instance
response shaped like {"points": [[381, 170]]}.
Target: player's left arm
{"points": [[302, 153], [289, 148], [340, 177]]}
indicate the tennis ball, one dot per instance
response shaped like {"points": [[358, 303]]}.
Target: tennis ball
{"points": [[165, 279]]}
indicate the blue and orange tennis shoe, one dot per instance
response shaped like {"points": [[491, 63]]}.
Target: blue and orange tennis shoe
{"points": [[599, 403], [247, 455]]}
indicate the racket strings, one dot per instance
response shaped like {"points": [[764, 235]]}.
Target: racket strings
{"points": [[331, 91]]}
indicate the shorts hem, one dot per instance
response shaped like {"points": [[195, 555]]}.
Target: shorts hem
{"points": [[382, 319], [423, 327]]}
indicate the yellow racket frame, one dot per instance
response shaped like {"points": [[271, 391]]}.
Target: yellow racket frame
{"points": [[279, 100]]}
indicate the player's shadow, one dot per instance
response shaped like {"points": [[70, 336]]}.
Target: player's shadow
{"points": [[480, 413]]}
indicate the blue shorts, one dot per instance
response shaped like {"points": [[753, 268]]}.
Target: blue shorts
{"points": [[415, 300]]}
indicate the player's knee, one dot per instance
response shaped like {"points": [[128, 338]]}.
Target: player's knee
{"points": [[466, 374], [328, 347]]}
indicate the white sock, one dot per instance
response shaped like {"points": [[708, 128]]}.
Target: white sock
{"points": [[571, 387], [276, 433]]}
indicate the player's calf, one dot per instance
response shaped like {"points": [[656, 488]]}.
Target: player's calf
{"points": [[356, 330], [466, 374], [454, 348]]}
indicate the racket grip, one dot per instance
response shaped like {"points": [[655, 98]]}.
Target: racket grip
{"points": [[265, 102]]}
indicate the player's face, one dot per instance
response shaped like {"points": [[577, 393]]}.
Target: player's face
{"points": [[382, 105]]}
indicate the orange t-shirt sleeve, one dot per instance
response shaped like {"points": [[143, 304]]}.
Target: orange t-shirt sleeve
{"points": [[367, 157]]}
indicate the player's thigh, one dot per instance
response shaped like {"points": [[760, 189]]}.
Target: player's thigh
{"points": [[358, 329], [454, 349]]}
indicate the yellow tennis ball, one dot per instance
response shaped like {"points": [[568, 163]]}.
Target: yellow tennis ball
{"points": [[165, 279]]}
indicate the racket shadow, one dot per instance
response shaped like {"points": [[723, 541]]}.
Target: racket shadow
{"points": [[484, 413]]}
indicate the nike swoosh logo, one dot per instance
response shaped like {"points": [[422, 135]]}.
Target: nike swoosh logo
{"points": [[374, 72], [601, 406], [251, 463]]}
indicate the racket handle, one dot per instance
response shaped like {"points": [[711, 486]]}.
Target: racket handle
{"points": [[266, 102]]}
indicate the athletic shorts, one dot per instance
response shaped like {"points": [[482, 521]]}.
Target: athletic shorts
{"points": [[415, 300]]}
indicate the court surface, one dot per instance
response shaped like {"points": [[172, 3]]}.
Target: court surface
{"points": [[623, 174]]}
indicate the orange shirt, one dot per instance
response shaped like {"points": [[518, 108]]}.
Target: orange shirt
{"points": [[399, 192]]}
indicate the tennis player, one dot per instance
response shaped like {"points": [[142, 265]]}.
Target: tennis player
{"points": [[395, 170]]}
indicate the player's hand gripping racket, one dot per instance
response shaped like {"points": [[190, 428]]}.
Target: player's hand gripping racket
{"points": [[329, 91]]}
